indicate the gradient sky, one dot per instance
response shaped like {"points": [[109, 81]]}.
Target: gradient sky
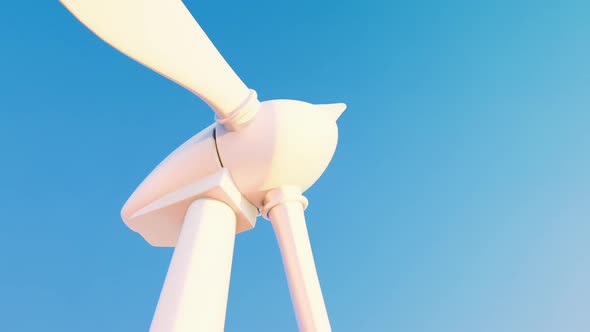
{"points": [[458, 199]]}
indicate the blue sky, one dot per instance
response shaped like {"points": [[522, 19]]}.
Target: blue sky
{"points": [[458, 198]]}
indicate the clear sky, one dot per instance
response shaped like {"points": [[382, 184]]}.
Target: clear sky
{"points": [[458, 199]]}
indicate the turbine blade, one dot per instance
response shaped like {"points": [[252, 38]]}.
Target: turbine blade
{"points": [[163, 36], [284, 208]]}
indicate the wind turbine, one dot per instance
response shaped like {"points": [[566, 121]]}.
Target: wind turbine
{"points": [[257, 158]]}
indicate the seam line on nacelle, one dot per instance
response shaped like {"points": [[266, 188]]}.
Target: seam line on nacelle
{"points": [[216, 147]]}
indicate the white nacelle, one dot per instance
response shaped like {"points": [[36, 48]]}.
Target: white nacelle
{"points": [[288, 143]]}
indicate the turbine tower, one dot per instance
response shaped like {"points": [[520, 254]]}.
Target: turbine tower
{"points": [[256, 159]]}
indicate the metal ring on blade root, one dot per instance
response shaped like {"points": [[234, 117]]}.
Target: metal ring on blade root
{"points": [[242, 115], [281, 196]]}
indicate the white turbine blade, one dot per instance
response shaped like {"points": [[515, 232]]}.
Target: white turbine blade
{"points": [[194, 296], [163, 35], [288, 221]]}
